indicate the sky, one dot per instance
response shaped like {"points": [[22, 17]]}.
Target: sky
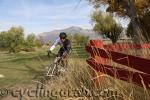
{"points": [[37, 16]]}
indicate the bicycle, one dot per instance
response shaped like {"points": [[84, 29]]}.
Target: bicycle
{"points": [[56, 67]]}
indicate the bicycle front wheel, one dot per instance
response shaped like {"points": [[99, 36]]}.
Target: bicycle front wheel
{"points": [[52, 70]]}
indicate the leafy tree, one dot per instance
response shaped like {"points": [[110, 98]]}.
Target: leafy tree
{"points": [[16, 35], [106, 25], [130, 8], [4, 40], [30, 40], [77, 38], [145, 26], [84, 39], [69, 36], [40, 38], [38, 43], [80, 39], [12, 39]]}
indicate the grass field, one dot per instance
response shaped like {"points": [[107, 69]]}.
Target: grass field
{"points": [[24, 69], [21, 67]]}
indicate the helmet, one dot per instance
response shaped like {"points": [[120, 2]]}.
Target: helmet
{"points": [[62, 35]]}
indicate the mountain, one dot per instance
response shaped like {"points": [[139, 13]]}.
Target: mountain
{"points": [[52, 35]]}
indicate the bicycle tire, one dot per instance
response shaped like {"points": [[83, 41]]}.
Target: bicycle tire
{"points": [[52, 70]]}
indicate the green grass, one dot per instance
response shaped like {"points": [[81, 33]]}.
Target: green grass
{"points": [[18, 68], [22, 67]]}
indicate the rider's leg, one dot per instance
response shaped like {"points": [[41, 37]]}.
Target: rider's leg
{"points": [[65, 61], [60, 52]]}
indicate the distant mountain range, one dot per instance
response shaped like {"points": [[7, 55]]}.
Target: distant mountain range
{"points": [[52, 35]]}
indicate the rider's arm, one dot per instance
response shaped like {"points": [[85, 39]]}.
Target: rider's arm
{"points": [[54, 45]]}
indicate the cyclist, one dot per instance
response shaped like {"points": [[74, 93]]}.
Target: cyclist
{"points": [[65, 47]]}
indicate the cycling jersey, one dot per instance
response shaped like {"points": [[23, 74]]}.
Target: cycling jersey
{"points": [[65, 46], [57, 42]]}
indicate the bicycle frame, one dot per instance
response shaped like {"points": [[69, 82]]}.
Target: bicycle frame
{"points": [[56, 62], [54, 66]]}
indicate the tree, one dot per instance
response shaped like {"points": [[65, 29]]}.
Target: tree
{"points": [[30, 41], [12, 39], [145, 26], [80, 39], [40, 38], [77, 38], [69, 36], [130, 8], [106, 25], [4, 40], [38, 43], [16, 35]]}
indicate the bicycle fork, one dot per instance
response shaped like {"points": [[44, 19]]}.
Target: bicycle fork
{"points": [[52, 71], [54, 68]]}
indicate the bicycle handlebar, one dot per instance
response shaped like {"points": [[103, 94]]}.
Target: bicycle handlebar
{"points": [[52, 54], [49, 53]]}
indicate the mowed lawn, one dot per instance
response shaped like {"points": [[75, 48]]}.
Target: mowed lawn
{"points": [[23, 67]]}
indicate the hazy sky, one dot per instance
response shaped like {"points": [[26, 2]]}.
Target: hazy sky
{"points": [[45, 15]]}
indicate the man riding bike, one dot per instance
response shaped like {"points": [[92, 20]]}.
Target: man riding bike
{"points": [[65, 47]]}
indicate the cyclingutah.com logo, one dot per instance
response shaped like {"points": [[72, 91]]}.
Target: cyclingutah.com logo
{"points": [[3, 92], [41, 92]]}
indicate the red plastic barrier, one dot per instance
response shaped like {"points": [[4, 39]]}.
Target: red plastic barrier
{"points": [[97, 44], [138, 63], [121, 74], [101, 55], [125, 46]]}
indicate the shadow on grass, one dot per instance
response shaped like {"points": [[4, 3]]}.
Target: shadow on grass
{"points": [[13, 68], [29, 69], [43, 57], [34, 72], [38, 75]]}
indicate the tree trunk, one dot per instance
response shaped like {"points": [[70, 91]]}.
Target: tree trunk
{"points": [[137, 30], [114, 36]]}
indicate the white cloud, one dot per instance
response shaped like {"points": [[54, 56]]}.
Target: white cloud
{"points": [[46, 17]]}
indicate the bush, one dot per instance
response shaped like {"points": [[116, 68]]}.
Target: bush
{"points": [[12, 39], [80, 39]]}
